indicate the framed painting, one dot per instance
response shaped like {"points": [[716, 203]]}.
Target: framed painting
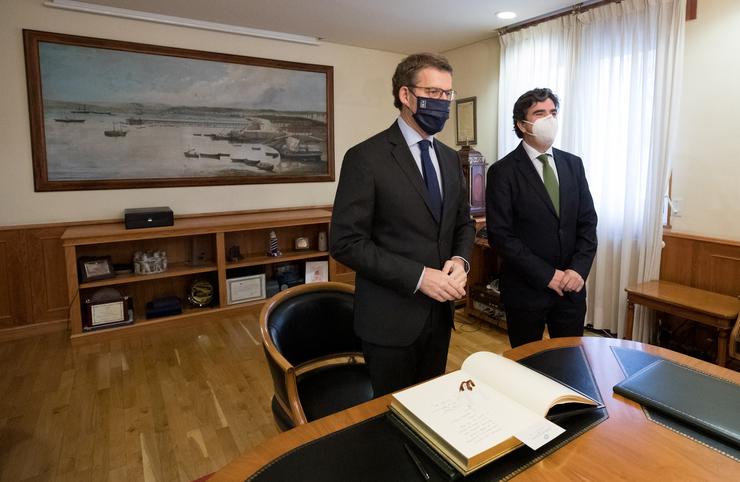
{"points": [[107, 114], [466, 123]]}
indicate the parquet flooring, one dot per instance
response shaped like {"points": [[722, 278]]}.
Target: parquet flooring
{"points": [[172, 405]]}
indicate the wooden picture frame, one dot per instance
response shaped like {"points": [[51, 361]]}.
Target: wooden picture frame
{"points": [[93, 268], [466, 128], [108, 114]]}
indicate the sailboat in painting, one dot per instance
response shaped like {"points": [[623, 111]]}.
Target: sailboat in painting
{"points": [[117, 131]]}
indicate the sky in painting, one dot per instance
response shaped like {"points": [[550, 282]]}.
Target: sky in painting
{"points": [[91, 75]]}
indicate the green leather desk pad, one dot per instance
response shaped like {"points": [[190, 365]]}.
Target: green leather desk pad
{"points": [[373, 449], [633, 361]]}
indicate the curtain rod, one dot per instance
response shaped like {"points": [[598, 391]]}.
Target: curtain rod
{"points": [[572, 10]]}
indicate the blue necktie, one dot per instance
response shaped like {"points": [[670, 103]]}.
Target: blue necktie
{"points": [[430, 178]]}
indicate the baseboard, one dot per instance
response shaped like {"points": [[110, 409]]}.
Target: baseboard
{"points": [[35, 329]]}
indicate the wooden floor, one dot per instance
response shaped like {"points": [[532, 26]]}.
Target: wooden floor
{"points": [[169, 406]]}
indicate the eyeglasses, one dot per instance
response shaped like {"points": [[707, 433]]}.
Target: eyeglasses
{"points": [[435, 93]]}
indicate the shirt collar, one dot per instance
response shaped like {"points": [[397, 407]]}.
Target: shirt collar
{"points": [[533, 153], [410, 135]]}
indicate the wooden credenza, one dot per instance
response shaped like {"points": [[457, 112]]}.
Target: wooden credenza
{"points": [[196, 248]]}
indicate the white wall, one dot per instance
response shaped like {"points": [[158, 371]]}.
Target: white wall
{"points": [[476, 75], [363, 105], [706, 169]]}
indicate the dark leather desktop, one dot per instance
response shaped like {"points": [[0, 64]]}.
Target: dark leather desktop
{"points": [[627, 446]]}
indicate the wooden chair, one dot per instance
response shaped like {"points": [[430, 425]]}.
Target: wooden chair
{"points": [[735, 339], [314, 356]]}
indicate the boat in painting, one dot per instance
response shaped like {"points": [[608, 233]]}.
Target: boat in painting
{"points": [[117, 131], [70, 120]]}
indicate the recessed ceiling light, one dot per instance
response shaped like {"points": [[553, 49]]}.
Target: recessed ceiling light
{"points": [[506, 15]]}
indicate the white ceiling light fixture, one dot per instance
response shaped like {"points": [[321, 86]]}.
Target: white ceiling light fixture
{"points": [[180, 21], [506, 15]]}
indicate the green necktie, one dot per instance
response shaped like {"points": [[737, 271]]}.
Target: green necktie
{"points": [[551, 182]]}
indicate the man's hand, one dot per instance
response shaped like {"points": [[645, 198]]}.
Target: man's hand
{"points": [[556, 282], [455, 268], [440, 286], [571, 281]]}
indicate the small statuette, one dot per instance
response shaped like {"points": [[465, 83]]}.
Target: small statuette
{"points": [[274, 250], [235, 254]]}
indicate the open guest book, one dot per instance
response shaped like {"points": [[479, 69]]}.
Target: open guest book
{"points": [[488, 408]]}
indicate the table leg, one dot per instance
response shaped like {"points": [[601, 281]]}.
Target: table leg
{"points": [[722, 345], [630, 319]]}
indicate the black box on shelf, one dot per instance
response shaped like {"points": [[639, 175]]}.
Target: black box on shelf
{"points": [[148, 217], [165, 306]]}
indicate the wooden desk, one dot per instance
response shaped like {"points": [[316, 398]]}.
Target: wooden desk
{"points": [[627, 446], [705, 307]]}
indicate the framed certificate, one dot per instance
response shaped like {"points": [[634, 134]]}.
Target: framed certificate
{"points": [[466, 124], [245, 288], [107, 307]]}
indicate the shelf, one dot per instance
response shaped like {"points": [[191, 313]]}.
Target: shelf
{"points": [[246, 230], [287, 256], [173, 270]]}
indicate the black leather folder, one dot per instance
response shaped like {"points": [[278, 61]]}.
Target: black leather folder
{"points": [[703, 401]]}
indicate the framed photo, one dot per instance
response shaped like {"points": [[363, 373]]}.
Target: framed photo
{"points": [[92, 268], [317, 271], [150, 116], [245, 288], [466, 127]]}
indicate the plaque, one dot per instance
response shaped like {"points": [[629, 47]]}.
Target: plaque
{"points": [[245, 288], [105, 308]]}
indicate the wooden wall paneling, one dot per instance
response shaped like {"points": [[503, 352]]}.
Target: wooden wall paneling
{"points": [[14, 308], [48, 295], [704, 263], [677, 261], [725, 274]]}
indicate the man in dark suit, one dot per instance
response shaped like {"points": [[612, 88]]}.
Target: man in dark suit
{"points": [[541, 221], [401, 220]]}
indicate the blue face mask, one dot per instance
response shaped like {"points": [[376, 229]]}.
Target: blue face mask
{"points": [[431, 114]]}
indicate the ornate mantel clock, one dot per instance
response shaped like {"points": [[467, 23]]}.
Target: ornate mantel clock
{"points": [[474, 166]]}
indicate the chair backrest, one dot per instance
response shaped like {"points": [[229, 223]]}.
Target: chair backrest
{"points": [[313, 323], [303, 324]]}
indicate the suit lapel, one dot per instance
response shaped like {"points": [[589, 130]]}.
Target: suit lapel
{"points": [[565, 180], [402, 155], [526, 168]]}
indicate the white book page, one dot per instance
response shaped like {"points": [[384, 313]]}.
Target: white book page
{"points": [[531, 389], [472, 421]]}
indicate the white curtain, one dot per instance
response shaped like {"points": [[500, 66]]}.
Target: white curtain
{"points": [[617, 71]]}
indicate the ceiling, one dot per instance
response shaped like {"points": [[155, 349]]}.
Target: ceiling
{"points": [[402, 26]]}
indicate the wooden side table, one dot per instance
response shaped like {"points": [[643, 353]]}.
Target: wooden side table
{"points": [[705, 307]]}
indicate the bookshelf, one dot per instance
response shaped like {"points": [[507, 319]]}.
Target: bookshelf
{"points": [[197, 248]]}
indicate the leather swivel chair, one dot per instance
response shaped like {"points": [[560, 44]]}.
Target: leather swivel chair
{"points": [[314, 356]]}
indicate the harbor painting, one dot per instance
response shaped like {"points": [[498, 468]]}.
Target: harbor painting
{"points": [[116, 115]]}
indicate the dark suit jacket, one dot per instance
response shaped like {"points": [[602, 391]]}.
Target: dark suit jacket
{"points": [[382, 227], [526, 232]]}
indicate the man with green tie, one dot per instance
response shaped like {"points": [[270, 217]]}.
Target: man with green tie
{"points": [[541, 221]]}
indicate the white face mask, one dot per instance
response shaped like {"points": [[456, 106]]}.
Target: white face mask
{"points": [[545, 129]]}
